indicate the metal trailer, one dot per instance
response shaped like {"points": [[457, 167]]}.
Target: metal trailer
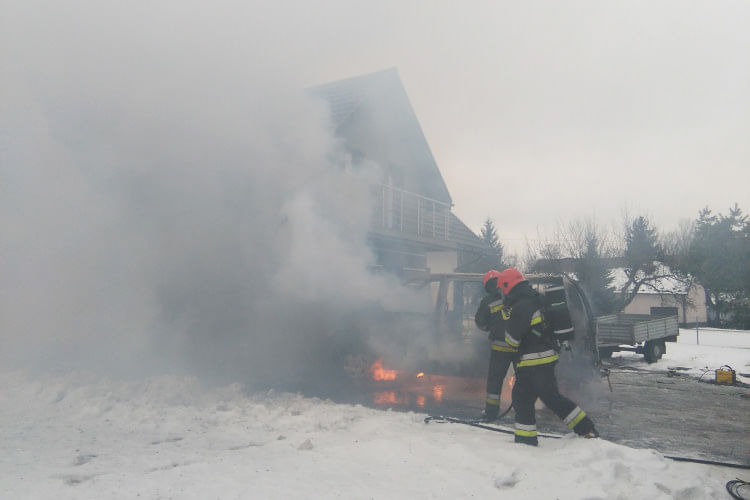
{"points": [[641, 333]]}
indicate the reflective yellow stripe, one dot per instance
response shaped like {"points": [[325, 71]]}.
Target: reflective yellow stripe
{"points": [[503, 348], [521, 432], [500, 307], [491, 401], [538, 361], [496, 306], [536, 318], [573, 414], [510, 340], [575, 421], [538, 355]]}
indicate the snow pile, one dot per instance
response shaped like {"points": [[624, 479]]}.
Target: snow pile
{"points": [[83, 437]]}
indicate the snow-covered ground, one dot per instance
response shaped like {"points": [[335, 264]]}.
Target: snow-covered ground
{"points": [[701, 353], [81, 436]]}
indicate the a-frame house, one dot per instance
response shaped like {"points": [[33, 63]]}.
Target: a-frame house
{"points": [[413, 229]]}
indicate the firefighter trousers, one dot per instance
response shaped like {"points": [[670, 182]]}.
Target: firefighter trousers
{"points": [[499, 363], [539, 381]]}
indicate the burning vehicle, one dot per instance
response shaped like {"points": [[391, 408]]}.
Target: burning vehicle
{"points": [[415, 236], [435, 356]]}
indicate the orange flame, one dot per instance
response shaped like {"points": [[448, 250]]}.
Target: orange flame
{"points": [[511, 381], [380, 373], [437, 393], [390, 398], [387, 397]]}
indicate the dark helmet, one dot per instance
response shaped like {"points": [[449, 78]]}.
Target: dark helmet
{"points": [[487, 280]]}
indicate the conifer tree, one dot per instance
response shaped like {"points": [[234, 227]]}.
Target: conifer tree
{"points": [[719, 258], [494, 247], [642, 254]]}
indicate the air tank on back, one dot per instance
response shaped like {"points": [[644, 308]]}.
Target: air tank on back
{"points": [[578, 367]]}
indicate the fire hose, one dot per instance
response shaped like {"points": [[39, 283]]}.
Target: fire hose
{"points": [[735, 487]]}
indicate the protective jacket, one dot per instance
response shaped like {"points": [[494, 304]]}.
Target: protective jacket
{"points": [[491, 317], [535, 368], [525, 330]]}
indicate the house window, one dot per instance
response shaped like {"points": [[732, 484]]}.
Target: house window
{"points": [[663, 311]]}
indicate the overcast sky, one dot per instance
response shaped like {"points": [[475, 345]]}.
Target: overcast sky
{"points": [[541, 112], [536, 112]]}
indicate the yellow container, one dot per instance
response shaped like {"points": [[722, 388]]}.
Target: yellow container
{"points": [[725, 375]]}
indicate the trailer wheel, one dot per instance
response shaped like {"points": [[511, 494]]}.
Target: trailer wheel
{"points": [[653, 350]]}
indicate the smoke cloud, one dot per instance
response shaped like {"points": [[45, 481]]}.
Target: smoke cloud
{"points": [[172, 199]]}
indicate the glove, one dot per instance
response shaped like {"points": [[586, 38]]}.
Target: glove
{"points": [[565, 345]]}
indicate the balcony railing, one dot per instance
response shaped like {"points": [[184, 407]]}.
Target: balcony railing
{"points": [[410, 213]]}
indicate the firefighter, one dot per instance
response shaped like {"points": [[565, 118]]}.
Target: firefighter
{"points": [[535, 362], [491, 317]]}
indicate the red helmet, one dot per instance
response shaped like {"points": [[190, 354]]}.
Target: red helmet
{"points": [[489, 275], [509, 278]]}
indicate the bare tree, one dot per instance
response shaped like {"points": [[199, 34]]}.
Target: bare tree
{"points": [[541, 250], [644, 261], [579, 236], [591, 247], [580, 249]]}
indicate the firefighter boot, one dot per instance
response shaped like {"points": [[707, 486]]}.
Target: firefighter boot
{"points": [[593, 433], [489, 414], [529, 440]]}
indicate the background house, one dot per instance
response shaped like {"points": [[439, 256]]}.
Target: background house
{"points": [[662, 295], [667, 296], [413, 230]]}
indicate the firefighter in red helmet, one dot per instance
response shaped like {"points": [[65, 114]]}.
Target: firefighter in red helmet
{"points": [[491, 317], [535, 362]]}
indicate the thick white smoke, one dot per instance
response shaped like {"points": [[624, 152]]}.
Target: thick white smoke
{"points": [[171, 199]]}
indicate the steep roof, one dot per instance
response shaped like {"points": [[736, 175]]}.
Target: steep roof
{"points": [[373, 114], [462, 235]]}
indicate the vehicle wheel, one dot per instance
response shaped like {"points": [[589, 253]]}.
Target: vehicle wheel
{"points": [[605, 352], [663, 346], [653, 350]]}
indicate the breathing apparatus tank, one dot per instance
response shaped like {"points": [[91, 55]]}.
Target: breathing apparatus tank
{"points": [[556, 313]]}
